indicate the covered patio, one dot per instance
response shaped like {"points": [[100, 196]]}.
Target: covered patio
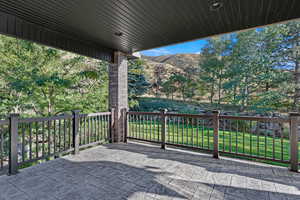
{"points": [[143, 171], [112, 30]]}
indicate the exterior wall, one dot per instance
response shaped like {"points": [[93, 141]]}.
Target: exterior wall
{"points": [[118, 94]]}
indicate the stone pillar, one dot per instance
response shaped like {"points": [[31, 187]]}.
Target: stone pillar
{"points": [[118, 94]]}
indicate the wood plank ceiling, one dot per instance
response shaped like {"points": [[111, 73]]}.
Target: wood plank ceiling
{"points": [[134, 25]]}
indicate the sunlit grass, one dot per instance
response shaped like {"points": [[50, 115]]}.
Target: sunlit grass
{"points": [[202, 137]]}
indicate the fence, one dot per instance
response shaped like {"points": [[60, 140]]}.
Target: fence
{"points": [[249, 137], [25, 141]]}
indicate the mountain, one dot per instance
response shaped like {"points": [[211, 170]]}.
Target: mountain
{"points": [[160, 68], [181, 61]]}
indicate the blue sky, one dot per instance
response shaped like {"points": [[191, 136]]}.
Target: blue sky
{"points": [[186, 47]]}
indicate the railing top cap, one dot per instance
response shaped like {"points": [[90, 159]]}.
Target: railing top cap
{"points": [[216, 111], [294, 114], [14, 115]]}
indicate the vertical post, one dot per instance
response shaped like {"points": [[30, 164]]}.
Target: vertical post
{"points": [[13, 140], [75, 131], [216, 124], [112, 125], [118, 93], [294, 137], [163, 119], [125, 121]]}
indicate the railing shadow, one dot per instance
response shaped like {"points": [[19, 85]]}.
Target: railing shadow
{"points": [[133, 171], [247, 169]]}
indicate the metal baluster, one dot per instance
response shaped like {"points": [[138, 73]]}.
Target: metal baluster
{"points": [[230, 136], [36, 140], [102, 133], [54, 136], [224, 132], [178, 126], [281, 143], [266, 144], [257, 137], [105, 124], [30, 141], [98, 128], [236, 136], [23, 142], [250, 131], [182, 129], [65, 130], [79, 129], [192, 131], [187, 131], [158, 128], [151, 121], [173, 129], [244, 130], [273, 144], [49, 137], [84, 131], [168, 129], [2, 149], [59, 135], [202, 141], [208, 141], [197, 124], [43, 138], [88, 130]]}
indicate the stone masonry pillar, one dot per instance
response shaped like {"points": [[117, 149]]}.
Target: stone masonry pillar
{"points": [[118, 94]]}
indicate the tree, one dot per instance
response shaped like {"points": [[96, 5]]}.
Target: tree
{"points": [[45, 81], [288, 54], [213, 66], [137, 82]]}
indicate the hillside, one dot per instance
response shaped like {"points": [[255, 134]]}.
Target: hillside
{"points": [[181, 61], [160, 68]]}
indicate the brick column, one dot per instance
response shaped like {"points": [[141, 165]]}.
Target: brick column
{"points": [[118, 94]]}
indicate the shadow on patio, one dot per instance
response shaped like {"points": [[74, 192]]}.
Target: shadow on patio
{"points": [[137, 171]]}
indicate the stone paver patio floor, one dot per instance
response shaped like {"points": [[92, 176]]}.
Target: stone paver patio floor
{"points": [[139, 171]]}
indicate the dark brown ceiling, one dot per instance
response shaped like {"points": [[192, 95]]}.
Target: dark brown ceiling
{"points": [[146, 24]]}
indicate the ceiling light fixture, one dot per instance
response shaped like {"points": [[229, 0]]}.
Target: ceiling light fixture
{"points": [[216, 5], [119, 34]]}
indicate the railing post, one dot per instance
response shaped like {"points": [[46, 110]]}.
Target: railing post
{"points": [[125, 124], [216, 124], [112, 125], [75, 131], [294, 137], [13, 141], [163, 128]]}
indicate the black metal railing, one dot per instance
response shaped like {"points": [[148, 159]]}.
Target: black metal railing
{"points": [[28, 140], [266, 138]]}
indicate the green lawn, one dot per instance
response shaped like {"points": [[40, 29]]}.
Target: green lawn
{"points": [[202, 137]]}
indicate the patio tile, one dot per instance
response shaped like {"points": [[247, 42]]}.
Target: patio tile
{"points": [[139, 171]]}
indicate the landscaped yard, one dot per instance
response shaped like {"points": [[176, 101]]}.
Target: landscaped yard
{"points": [[241, 142]]}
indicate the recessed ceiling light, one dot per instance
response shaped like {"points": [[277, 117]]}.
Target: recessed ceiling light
{"points": [[119, 34], [216, 5]]}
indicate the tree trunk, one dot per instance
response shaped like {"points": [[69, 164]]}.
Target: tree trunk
{"points": [[212, 94]]}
